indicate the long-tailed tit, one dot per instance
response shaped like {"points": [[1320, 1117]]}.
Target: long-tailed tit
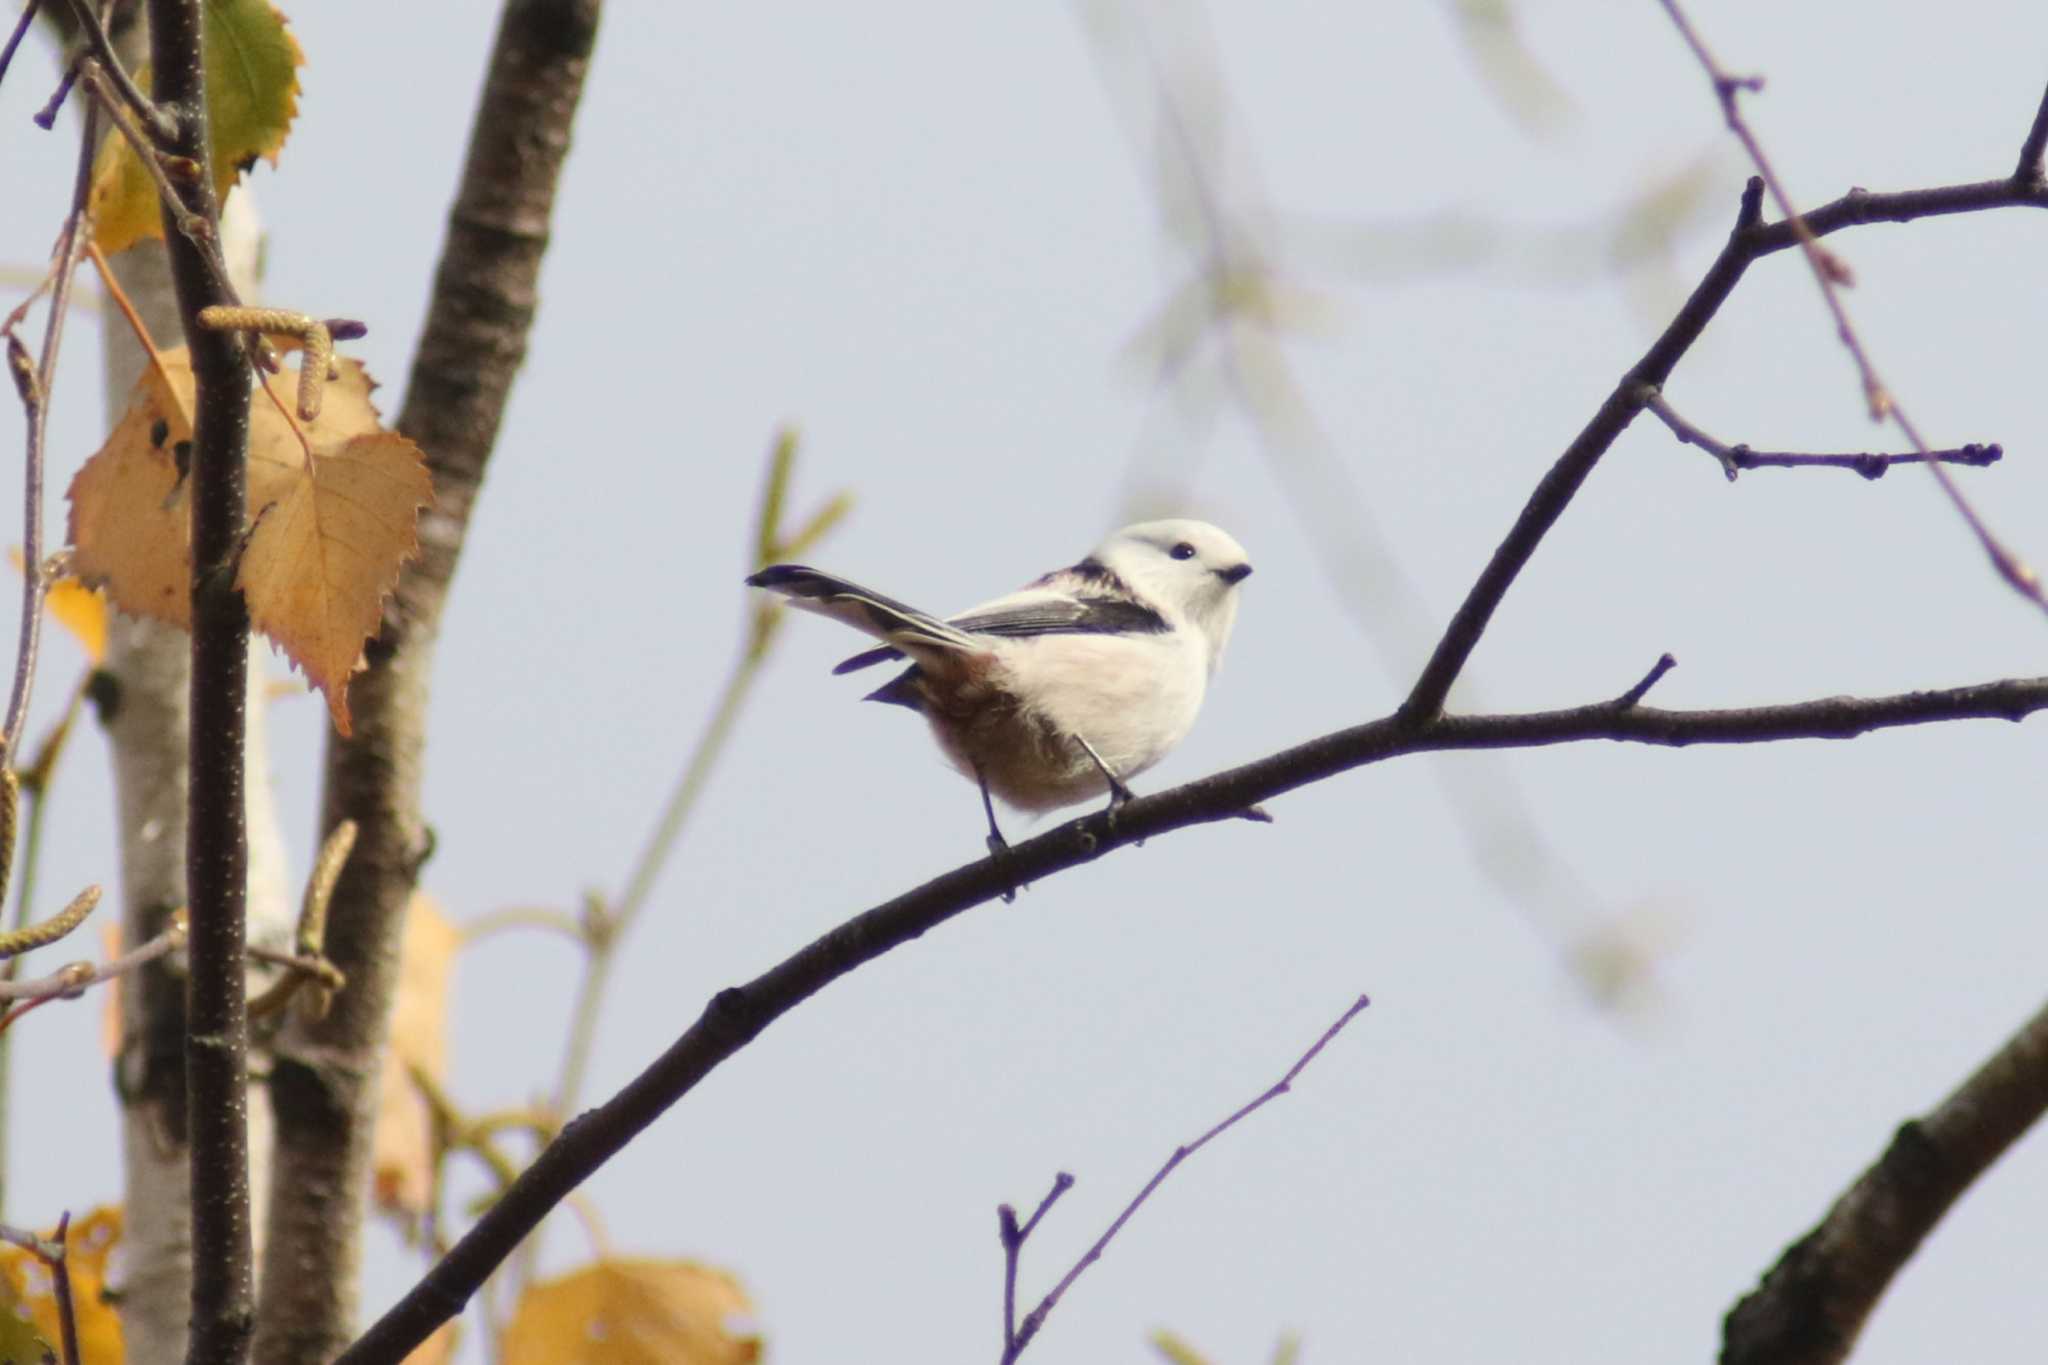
{"points": [[1070, 686]]}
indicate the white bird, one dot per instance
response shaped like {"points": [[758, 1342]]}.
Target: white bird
{"points": [[1070, 686]]}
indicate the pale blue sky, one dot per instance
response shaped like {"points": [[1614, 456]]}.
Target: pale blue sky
{"points": [[923, 233]]}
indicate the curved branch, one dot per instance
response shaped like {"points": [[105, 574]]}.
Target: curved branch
{"points": [[1813, 1303], [735, 1016], [216, 835]]}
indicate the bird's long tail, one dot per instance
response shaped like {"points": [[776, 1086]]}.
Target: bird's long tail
{"points": [[902, 628]]}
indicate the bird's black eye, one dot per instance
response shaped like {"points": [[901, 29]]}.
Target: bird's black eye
{"points": [[1182, 551]]}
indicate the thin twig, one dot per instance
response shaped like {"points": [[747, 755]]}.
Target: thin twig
{"points": [[70, 980], [1035, 1319], [1813, 1303], [60, 1278], [28, 1241], [111, 282], [1012, 1237], [1830, 274], [162, 128], [94, 78], [1665, 663], [2030, 169], [1735, 458], [522, 917], [53, 1252], [36, 398], [45, 118], [28, 16], [319, 968], [1869, 464]]}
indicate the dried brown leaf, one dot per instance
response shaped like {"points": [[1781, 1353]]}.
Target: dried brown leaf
{"points": [[335, 504]]}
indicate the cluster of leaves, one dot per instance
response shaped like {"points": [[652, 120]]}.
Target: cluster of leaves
{"points": [[252, 95], [334, 504]]}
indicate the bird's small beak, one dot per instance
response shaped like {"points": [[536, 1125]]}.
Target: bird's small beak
{"points": [[1235, 574]]}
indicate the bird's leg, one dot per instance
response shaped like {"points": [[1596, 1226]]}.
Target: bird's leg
{"points": [[998, 846], [1118, 792]]}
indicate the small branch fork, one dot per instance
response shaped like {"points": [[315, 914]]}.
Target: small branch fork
{"points": [[70, 981], [1016, 1335], [33, 383], [1832, 276], [160, 128], [1736, 458], [53, 1253]]}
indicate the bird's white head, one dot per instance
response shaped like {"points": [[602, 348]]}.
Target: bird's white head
{"points": [[1188, 570]]}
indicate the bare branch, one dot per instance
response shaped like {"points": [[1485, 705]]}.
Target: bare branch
{"points": [[35, 396], [1012, 1238], [60, 1279], [69, 981], [737, 1015], [1812, 1305], [1832, 275], [216, 837], [28, 16], [160, 126], [53, 1254], [2030, 170], [1665, 663], [1037, 1316], [1736, 458]]}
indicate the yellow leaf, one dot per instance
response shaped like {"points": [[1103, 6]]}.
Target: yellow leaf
{"points": [[90, 1241], [252, 95], [20, 1342], [252, 85], [326, 553], [402, 1142], [330, 532], [77, 608], [634, 1312]]}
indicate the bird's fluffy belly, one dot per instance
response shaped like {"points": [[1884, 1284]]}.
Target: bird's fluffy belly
{"points": [[1027, 752]]}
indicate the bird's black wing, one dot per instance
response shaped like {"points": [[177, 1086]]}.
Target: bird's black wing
{"points": [[1039, 616]]}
